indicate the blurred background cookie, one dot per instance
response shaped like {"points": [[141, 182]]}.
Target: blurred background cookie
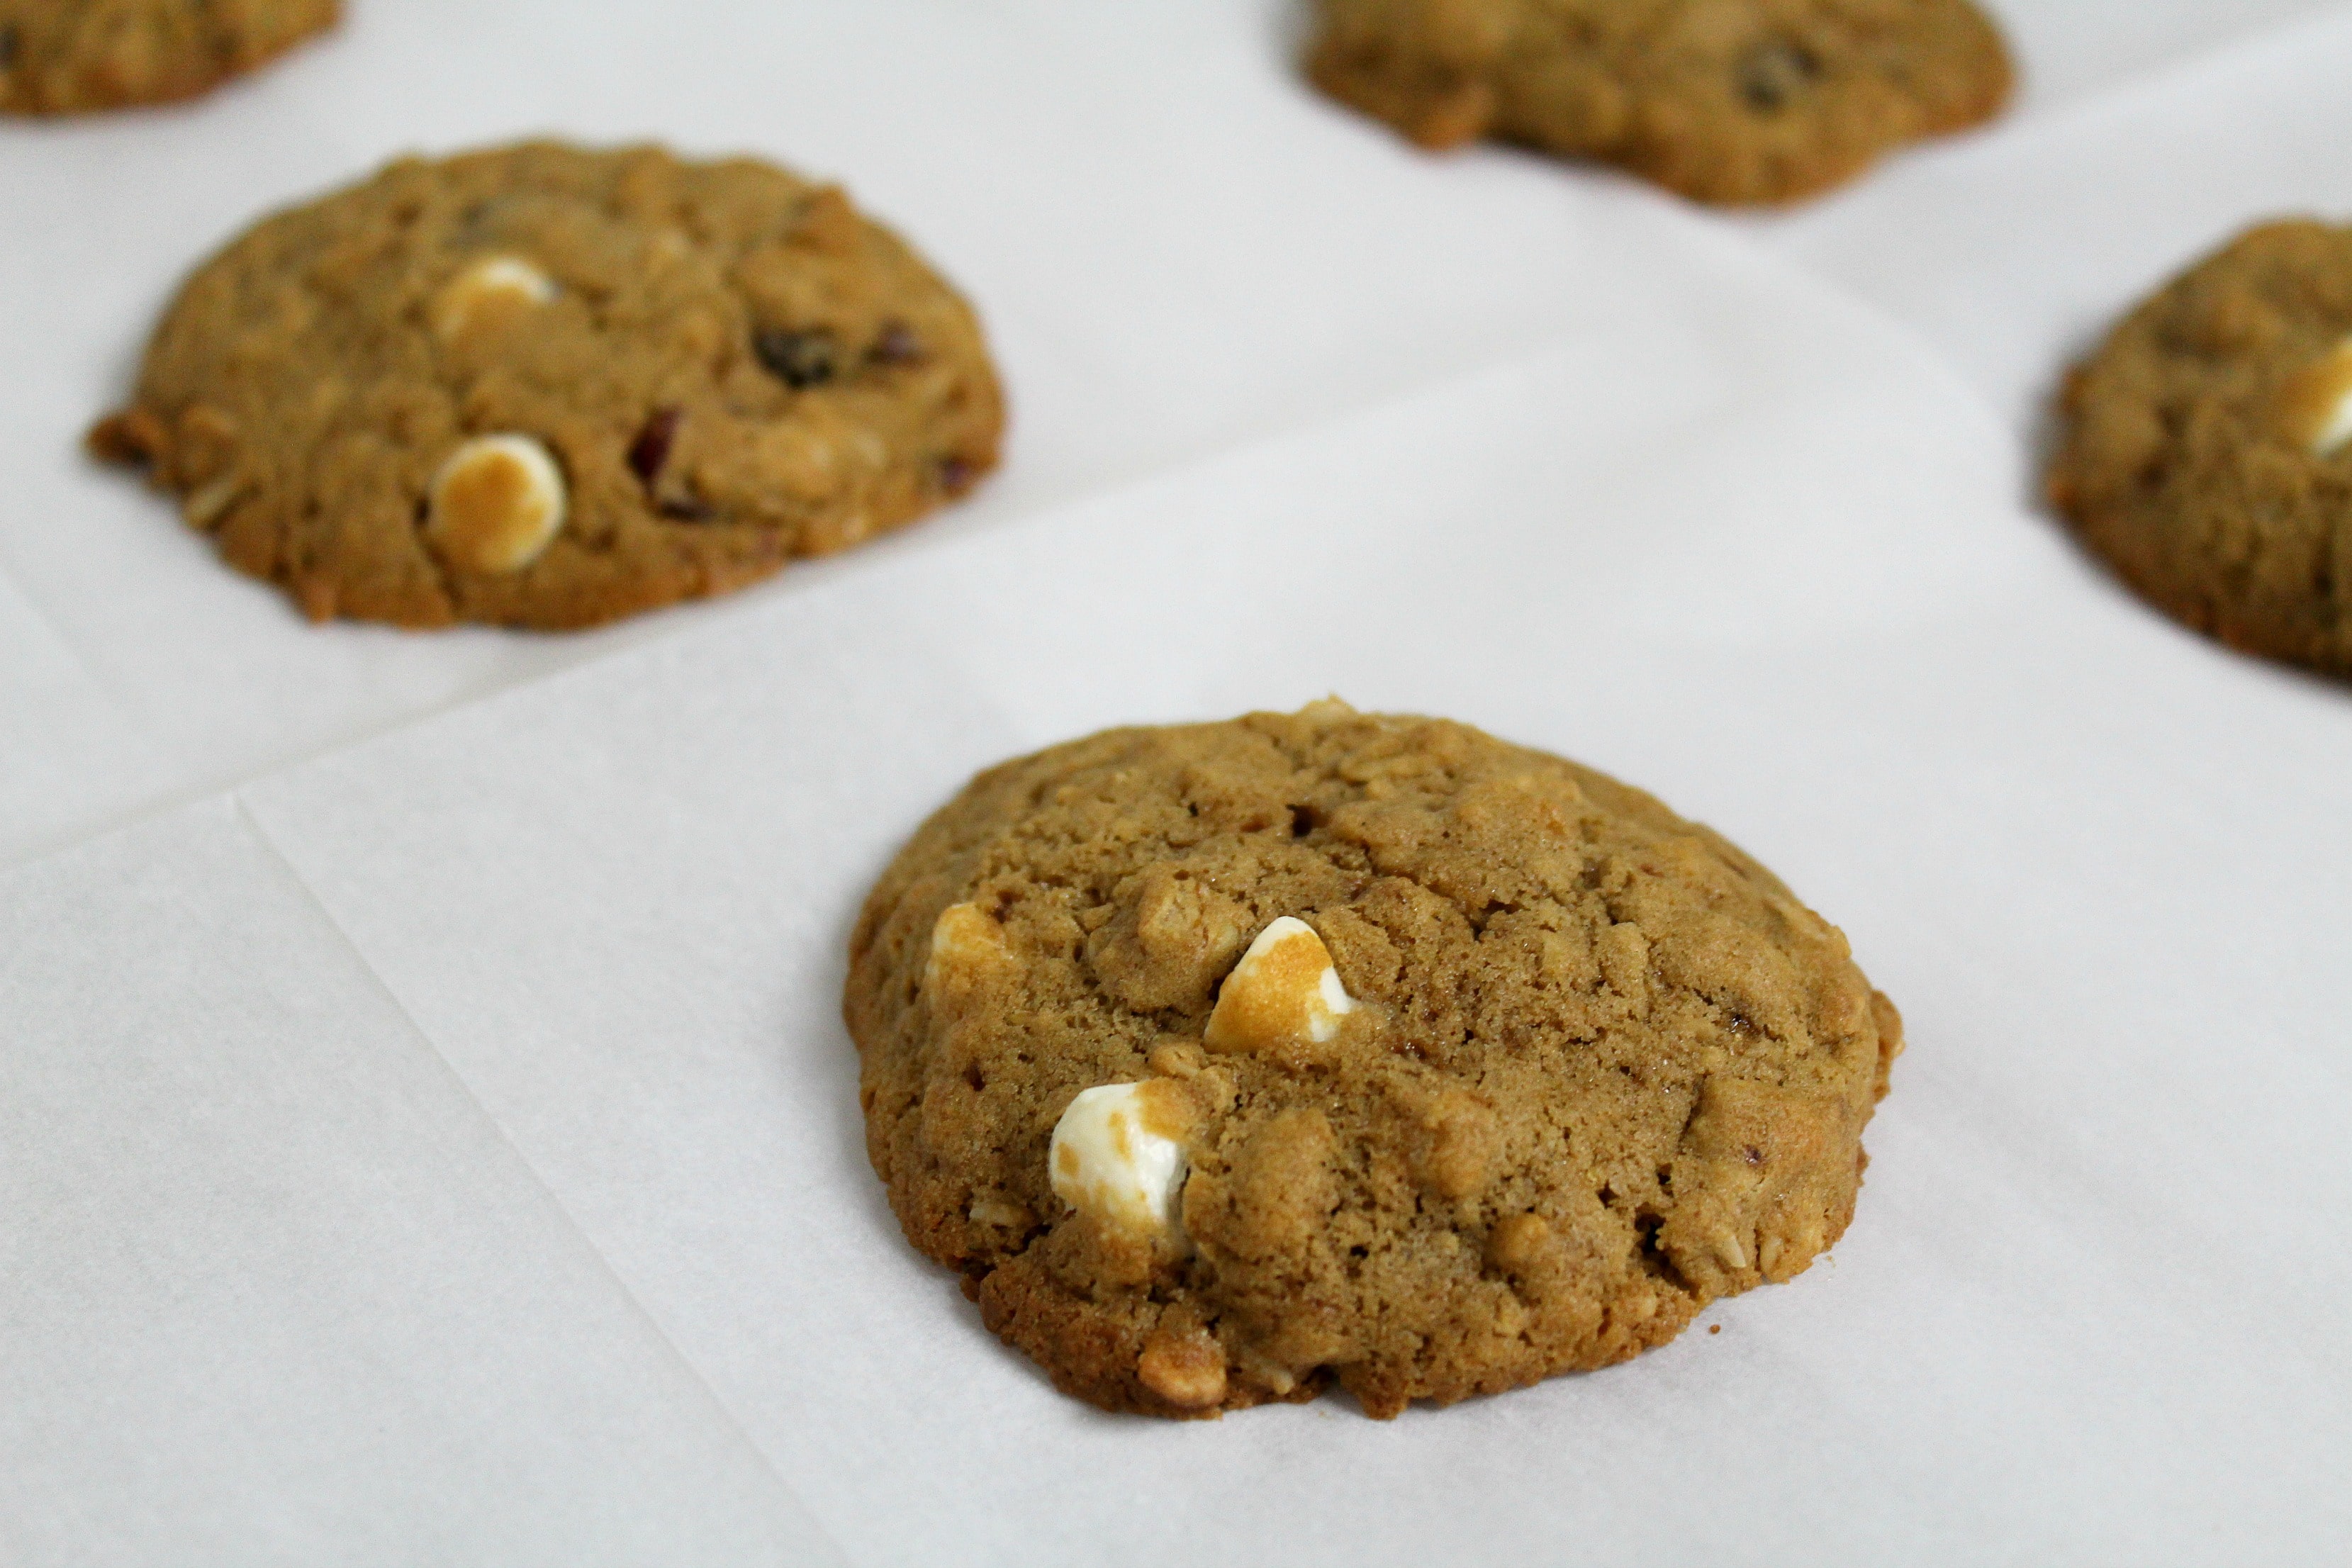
{"points": [[66, 56], [1724, 101], [1229, 1060], [545, 386], [2205, 449]]}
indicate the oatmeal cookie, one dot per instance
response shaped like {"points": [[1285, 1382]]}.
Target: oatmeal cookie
{"points": [[2206, 446], [1229, 1060], [68, 57], [1724, 101], [544, 387]]}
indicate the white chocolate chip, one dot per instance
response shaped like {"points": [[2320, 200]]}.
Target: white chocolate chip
{"points": [[492, 287], [1188, 1371], [1283, 992], [965, 945], [1113, 1157], [2315, 403], [495, 504]]}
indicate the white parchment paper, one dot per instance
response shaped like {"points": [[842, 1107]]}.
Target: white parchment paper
{"points": [[445, 1148], [2014, 252], [274, 1290], [618, 903], [1175, 248]]}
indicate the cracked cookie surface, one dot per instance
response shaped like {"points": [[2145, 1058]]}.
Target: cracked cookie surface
{"points": [[1723, 100], [1583, 1067], [547, 386], [2203, 451], [69, 56]]}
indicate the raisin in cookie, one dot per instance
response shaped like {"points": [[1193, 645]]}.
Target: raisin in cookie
{"points": [[66, 56], [1724, 101], [2206, 452], [542, 386], [1225, 1060]]}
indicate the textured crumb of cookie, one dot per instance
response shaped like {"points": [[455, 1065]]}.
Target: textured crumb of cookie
{"points": [[1594, 1068], [2205, 447], [69, 56], [1724, 101], [720, 367]]}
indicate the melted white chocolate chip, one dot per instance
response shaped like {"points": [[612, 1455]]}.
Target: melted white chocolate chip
{"points": [[964, 943], [492, 288], [1113, 1157], [1285, 992], [495, 504], [2315, 403]]}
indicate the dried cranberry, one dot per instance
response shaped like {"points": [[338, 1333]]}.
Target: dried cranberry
{"points": [[798, 359], [650, 450], [896, 345]]}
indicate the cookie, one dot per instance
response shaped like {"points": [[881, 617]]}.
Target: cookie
{"points": [[1724, 101], [1229, 1060], [2205, 449], [542, 386], [66, 56]]}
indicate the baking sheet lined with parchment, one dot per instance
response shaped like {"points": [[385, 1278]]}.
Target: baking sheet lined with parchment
{"points": [[1177, 249], [443, 1146]]}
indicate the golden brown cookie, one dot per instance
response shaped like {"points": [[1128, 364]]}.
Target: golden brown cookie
{"points": [[2206, 449], [1225, 1060], [1724, 101], [542, 386], [66, 56]]}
